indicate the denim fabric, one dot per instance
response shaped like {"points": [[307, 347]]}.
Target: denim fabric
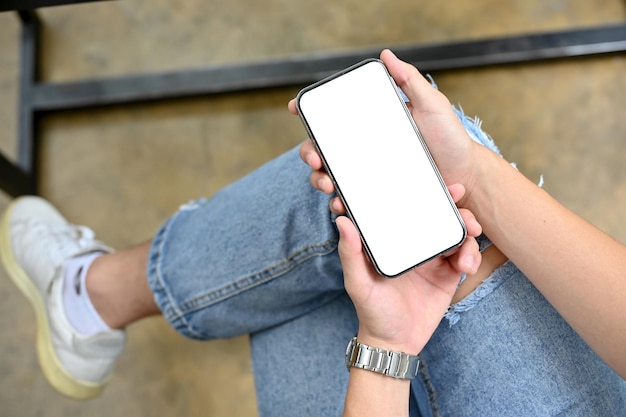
{"points": [[299, 366], [260, 257], [513, 355], [207, 258]]}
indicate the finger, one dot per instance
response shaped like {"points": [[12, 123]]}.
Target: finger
{"points": [[474, 228], [337, 207], [350, 244], [467, 259], [457, 191], [322, 182], [292, 106], [406, 76], [422, 95], [424, 98], [309, 155]]}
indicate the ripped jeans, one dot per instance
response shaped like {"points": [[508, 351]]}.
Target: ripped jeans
{"points": [[260, 257]]}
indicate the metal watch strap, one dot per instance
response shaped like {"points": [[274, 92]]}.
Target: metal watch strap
{"points": [[394, 364]]}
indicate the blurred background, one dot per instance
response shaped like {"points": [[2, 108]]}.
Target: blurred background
{"points": [[123, 169]]}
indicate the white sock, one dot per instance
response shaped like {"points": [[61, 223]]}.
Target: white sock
{"points": [[80, 312]]}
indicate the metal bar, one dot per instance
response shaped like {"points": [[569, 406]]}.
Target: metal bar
{"points": [[519, 49], [300, 70], [6, 5], [17, 179], [13, 180], [29, 75]]}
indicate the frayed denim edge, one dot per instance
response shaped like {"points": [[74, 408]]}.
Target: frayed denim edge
{"points": [[489, 285]]}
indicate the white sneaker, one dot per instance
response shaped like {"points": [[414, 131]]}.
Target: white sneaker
{"points": [[35, 243]]}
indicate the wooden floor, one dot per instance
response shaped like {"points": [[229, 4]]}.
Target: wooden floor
{"points": [[123, 170]]}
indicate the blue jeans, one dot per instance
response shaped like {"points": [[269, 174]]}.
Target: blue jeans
{"points": [[260, 257]]}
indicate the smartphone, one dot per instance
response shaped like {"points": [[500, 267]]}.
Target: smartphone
{"points": [[381, 167]]}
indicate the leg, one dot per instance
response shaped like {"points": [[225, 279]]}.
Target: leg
{"points": [[299, 366], [510, 353], [118, 287], [213, 266], [117, 282], [211, 269]]}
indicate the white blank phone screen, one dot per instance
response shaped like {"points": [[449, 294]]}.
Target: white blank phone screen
{"points": [[380, 166]]}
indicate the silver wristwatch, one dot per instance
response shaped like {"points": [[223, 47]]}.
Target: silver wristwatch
{"points": [[395, 364]]}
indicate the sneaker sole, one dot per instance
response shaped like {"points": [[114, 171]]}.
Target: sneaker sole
{"points": [[52, 368]]}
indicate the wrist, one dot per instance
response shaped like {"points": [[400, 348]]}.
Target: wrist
{"points": [[486, 166], [412, 347]]}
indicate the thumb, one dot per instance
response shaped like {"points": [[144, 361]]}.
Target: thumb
{"points": [[406, 76], [349, 242], [353, 260], [424, 98]]}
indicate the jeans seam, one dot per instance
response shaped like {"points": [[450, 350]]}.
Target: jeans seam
{"points": [[431, 393], [177, 312], [155, 281]]}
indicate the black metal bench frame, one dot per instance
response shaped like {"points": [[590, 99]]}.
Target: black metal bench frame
{"points": [[37, 97]]}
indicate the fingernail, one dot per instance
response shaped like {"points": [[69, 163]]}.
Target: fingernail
{"points": [[471, 262]]}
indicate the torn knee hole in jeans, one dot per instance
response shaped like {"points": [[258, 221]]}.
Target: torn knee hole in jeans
{"points": [[476, 287]]}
